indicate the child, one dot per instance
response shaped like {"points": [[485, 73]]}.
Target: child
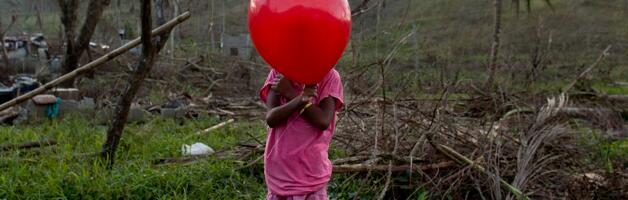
{"points": [[302, 121]]}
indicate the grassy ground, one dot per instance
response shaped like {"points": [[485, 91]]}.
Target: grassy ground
{"points": [[58, 173]]}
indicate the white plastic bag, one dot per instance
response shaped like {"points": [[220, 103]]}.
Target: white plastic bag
{"points": [[196, 149]]}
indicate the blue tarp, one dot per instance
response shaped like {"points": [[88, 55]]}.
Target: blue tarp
{"points": [[23, 84]]}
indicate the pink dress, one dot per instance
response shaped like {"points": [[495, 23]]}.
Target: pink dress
{"points": [[295, 160]]}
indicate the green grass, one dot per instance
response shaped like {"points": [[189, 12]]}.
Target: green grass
{"points": [[608, 154], [59, 172], [610, 88]]}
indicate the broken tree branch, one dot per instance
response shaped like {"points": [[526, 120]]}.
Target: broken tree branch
{"points": [[585, 72], [96, 63], [28, 145], [217, 126], [382, 168]]}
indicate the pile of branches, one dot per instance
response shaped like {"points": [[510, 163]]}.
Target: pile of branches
{"points": [[520, 155]]}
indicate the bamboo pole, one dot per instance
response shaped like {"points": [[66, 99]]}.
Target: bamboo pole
{"points": [[96, 63]]}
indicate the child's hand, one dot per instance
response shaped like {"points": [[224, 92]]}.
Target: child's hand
{"points": [[309, 93], [283, 87]]}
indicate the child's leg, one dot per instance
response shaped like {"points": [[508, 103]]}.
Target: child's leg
{"points": [[318, 195]]}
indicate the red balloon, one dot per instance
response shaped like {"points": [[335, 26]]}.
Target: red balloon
{"points": [[301, 39]]}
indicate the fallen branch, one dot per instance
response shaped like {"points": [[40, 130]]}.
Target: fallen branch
{"points": [[217, 126], [96, 63], [357, 158], [349, 159], [400, 168], [28, 145], [599, 59], [461, 159]]}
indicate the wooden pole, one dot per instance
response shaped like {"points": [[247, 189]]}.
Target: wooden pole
{"points": [[96, 63]]}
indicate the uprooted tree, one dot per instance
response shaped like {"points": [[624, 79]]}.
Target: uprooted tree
{"points": [[75, 45], [150, 50]]}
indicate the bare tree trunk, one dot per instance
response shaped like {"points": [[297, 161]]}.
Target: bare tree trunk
{"points": [[4, 71], [40, 21], [516, 6], [377, 22], [75, 46], [149, 53], [69, 15], [175, 32], [496, 43], [416, 57], [224, 23], [210, 46]]}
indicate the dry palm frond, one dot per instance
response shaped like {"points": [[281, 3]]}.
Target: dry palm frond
{"points": [[530, 161]]}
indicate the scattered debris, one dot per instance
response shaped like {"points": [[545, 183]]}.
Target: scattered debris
{"points": [[34, 112], [196, 149], [44, 99], [7, 116], [66, 93], [27, 54], [21, 84]]}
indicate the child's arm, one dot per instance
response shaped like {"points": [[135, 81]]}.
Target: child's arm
{"points": [[279, 86], [321, 116], [279, 114]]}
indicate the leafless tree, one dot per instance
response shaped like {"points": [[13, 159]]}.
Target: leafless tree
{"points": [[497, 21], [40, 20], [150, 50], [75, 45]]}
